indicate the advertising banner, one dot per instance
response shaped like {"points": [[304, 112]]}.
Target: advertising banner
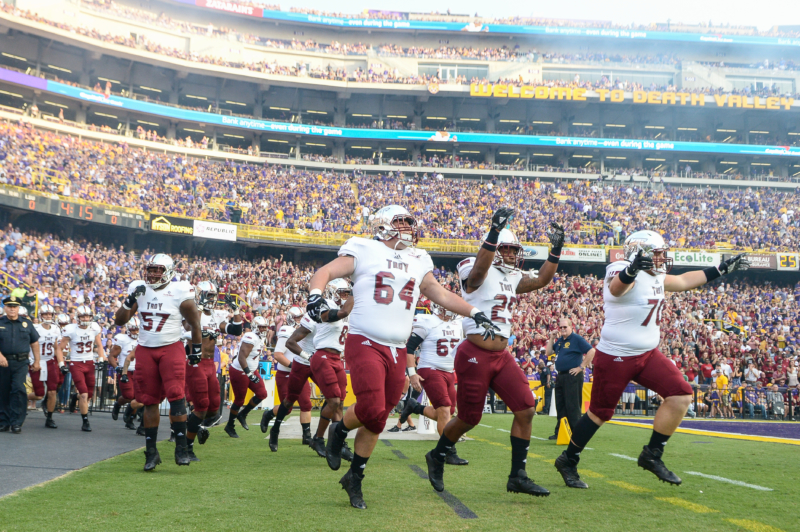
{"points": [[215, 230], [535, 252], [758, 261], [615, 254], [583, 254], [699, 259], [788, 262], [171, 224], [232, 7]]}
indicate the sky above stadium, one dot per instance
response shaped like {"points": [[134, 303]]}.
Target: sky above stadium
{"points": [[735, 12]]}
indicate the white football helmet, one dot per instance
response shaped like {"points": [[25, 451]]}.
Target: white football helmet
{"points": [[338, 290], [293, 316], [62, 320], [442, 313], [23, 311], [383, 225], [652, 245], [47, 314], [159, 271], [207, 295], [507, 241], [261, 326], [132, 327], [85, 316]]}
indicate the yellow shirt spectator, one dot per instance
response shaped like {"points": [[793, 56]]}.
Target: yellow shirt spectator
{"points": [[224, 359], [722, 381]]}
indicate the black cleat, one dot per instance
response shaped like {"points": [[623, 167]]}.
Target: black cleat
{"points": [[16, 429], [452, 458], [115, 411], [230, 431], [435, 472], [410, 428], [569, 472], [347, 454], [522, 484], [73, 400], [333, 449], [50, 424], [553, 437], [171, 436], [151, 459], [408, 408], [214, 421], [273, 439], [127, 416], [202, 435], [192, 457], [352, 485], [307, 437], [86, 427], [651, 461], [266, 417], [130, 425], [182, 455], [242, 418], [140, 430], [394, 429], [318, 444]]}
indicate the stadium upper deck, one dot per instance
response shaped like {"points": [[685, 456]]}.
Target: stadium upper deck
{"points": [[410, 94]]}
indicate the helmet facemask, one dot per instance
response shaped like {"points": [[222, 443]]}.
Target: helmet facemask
{"points": [[508, 256], [403, 227]]}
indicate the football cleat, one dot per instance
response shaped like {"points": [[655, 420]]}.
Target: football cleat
{"points": [[409, 428], [242, 418], [307, 437], [151, 459], [266, 417], [452, 458], [182, 455], [347, 454], [115, 411], [394, 429], [435, 472], [140, 430], [73, 400], [408, 408], [130, 425], [273, 439], [202, 435], [86, 427], [351, 483], [190, 451], [171, 436], [569, 472], [230, 431], [651, 461], [50, 424], [333, 449], [318, 444], [522, 484], [214, 421]]}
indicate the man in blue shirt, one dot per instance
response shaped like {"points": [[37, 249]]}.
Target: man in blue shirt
{"points": [[573, 355]]}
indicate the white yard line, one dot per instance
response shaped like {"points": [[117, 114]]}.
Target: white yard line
{"points": [[729, 481], [624, 456], [487, 426], [504, 430], [538, 438]]}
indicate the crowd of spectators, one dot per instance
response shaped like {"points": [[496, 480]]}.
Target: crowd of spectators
{"points": [[282, 196]]}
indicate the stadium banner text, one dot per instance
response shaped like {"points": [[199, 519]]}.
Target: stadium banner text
{"points": [[444, 137], [403, 22], [700, 259], [758, 261], [538, 92], [215, 230], [615, 254], [535, 252], [583, 254], [171, 224], [788, 262]]}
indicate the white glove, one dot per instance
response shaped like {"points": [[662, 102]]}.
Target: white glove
{"points": [[305, 355]]}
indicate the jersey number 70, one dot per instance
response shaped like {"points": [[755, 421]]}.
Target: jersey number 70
{"points": [[657, 307]]}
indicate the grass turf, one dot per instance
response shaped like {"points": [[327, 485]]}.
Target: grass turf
{"points": [[241, 485]]}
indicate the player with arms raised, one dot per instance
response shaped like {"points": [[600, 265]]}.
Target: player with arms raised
{"points": [[491, 281], [162, 304], [82, 339], [388, 274], [633, 294], [50, 345]]}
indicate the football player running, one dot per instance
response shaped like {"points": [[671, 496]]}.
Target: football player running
{"points": [[51, 355], [491, 281], [202, 385], [436, 336], [633, 295], [127, 381], [122, 346], [244, 375], [388, 274], [161, 304], [82, 339]]}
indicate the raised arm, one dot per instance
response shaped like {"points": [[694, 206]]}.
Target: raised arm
{"points": [[529, 283], [692, 280], [486, 254]]}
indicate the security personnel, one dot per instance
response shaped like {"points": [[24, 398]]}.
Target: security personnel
{"points": [[18, 337], [573, 354]]}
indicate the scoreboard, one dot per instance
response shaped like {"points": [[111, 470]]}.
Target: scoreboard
{"points": [[56, 205]]}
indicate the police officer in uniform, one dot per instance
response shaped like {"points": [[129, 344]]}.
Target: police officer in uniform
{"points": [[573, 354], [18, 337]]}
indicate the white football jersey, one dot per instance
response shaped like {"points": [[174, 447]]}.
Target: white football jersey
{"points": [[126, 345], [632, 320], [496, 297], [386, 288], [159, 312], [48, 338], [212, 322], [330, 335], [255, 354], [81, 341], [284, 333], [307, 343], [440, 338]]}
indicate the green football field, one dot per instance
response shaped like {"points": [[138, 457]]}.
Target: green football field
{"points": [[241, 485]]}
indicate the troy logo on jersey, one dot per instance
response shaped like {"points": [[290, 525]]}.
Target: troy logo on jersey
{"points": [[152, 305], [393, 264]]}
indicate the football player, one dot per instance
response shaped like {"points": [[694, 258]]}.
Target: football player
{"points": [[82, 339], [436, 336], [53, 358], [633, 295], [244, 375], [295, 320], [133, 408], [492, 281], [388, 274], [122, 346], [161, 303], [202, 385]]}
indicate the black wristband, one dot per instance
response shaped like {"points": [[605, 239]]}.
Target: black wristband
{"points": [[556, 251], [246, 369], [625, 277], [712, 273], [333, 315], [489, 247], [553, 258], [492, 237]]}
